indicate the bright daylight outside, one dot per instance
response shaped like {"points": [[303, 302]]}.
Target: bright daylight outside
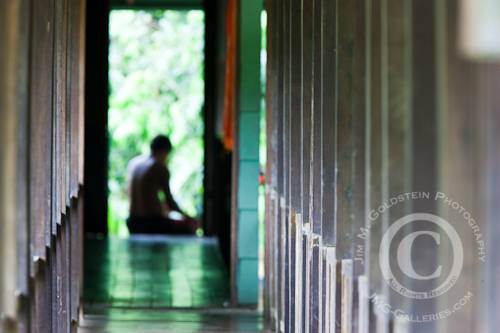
{"points": [[156, 87]]}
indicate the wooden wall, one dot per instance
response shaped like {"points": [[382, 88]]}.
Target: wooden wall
{"points": [[366, 100], [41, 163]]}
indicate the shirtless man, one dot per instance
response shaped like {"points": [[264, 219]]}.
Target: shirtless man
{"points": [[151, 201]]}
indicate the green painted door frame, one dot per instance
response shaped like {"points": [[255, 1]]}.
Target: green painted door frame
{"points": [[246, 157]]}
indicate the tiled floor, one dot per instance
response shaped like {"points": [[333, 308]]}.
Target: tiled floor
{"points": [[173, 321], [159, 284], [154, 272]]}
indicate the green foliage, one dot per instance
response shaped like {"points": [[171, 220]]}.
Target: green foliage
{"points": [[156, 87]]}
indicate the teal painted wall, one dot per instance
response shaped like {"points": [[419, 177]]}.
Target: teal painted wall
{"points": [[248, 144]]}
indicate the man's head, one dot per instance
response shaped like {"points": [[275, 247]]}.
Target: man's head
{"points": [[161, 147]]}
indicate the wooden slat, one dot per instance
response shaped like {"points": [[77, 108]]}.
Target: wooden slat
{"points": [[299, 283], [306, 92], [279, 160], [286, 139], [74, 96], [307, 241], [459, 92], [41, 125], [283, 264], [331, 289], [315, 283], [490, 189], [360, 138], [346, 45], [424, 133], [363, 323], [347, 296], [397, 114], [316, 148], [329, 122], [375, 148]]}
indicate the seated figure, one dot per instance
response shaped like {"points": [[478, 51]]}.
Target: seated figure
{"points": [[151, 202]]}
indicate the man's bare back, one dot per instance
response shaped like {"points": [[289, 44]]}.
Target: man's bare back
{"points": [[148, 179], [151, 200]]}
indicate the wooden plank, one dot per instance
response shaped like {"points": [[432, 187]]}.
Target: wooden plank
{"points": [[74, 95], [41, 125], [306, 275], [40, 305], [22, 164], [329, 121], [360, 139], [287, 95], [315, 284], [346, 47], [322, 288], [283, 267], [338, 295], [458, 92], [74, 253], [331, 289], [274, 259], [490, 188], [397, 138], [374, 164], [279, 156], [363, 323], [295, 107], [10, 17], [347, 296], [382, 320], [299, 268], [59, 114], [291, 270], [81, 86], [424, 135], [316, 148], [53, 285], [306, 93], [295, 157]]}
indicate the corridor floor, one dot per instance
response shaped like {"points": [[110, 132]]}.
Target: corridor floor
{"points": [[159, 284]]}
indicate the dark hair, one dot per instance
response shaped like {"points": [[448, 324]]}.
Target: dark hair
{"points": [[160, 143]]}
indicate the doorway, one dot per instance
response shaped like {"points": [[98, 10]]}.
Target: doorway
{"points": [[156, 86]]}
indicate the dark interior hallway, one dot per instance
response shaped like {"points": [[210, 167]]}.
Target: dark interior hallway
{"points": [[381, 182]]}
